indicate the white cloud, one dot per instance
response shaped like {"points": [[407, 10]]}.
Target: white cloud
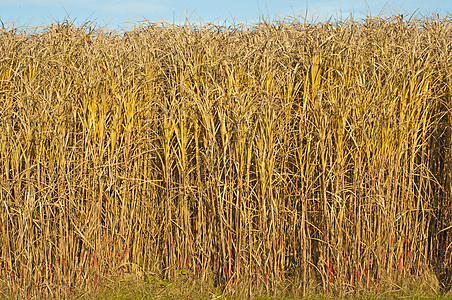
{"points": [[118, 6], [132, 7]]}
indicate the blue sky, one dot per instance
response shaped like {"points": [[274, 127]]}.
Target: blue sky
{"points": [[116, 13]]}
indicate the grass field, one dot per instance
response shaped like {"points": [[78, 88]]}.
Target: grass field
{"points": [[284, 159]]}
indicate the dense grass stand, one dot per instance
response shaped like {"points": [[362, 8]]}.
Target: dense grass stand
{"points": [[287, 158]]}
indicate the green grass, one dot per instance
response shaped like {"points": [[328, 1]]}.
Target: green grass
{"points": [[133, 290]]}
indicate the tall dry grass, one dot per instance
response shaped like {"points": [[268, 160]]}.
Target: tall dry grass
{"points": [[284, 158]]}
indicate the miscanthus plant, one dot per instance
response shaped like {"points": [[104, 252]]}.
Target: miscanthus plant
{"points": [[286, 158]]}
